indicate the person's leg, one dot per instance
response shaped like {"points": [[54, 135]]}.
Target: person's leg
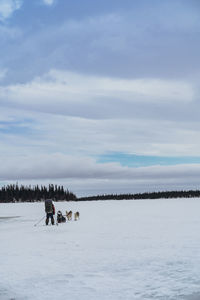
{"points": [[52, 219], [47, 219]]}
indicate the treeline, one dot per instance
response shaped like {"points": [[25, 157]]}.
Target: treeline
{"points": [[150, 195], [15, 193]]}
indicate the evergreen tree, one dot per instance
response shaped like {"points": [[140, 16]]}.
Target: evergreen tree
{"points": [[14, 193]]}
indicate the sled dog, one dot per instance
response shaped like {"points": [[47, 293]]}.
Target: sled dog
{"points": [[60, 217], [76, 216], [69, 215]]}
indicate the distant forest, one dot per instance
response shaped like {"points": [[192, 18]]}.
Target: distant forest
{"points": [[15, 193], [150, 195]]}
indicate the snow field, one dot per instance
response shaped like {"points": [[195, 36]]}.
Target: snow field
{"points": [[146, 249]]}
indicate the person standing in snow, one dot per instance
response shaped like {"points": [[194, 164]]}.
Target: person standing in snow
{"points": [[50, 211]]}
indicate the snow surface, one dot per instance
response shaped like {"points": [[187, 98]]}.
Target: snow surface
{"points": [[146, 249]]}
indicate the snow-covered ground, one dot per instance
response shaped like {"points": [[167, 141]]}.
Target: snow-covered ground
{"points": [[146, 249]]}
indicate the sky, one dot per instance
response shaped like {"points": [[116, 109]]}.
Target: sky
{"points": [[100, 96]]}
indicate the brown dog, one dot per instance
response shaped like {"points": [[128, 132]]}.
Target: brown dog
{"points": [[69, 215]]}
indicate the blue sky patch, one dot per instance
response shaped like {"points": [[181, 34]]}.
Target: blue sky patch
{"points": [[133, 160]]}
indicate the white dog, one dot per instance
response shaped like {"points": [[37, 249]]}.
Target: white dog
{"points": [[76, 216]]}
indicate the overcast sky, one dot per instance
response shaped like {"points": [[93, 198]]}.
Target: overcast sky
{"points": [[100, 96]]}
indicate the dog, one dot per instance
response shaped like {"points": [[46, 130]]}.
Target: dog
{"points": [[69, 215], [60, 217], [76, 216]]}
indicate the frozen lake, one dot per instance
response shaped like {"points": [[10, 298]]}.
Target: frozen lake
{"points": [[146, 249]]}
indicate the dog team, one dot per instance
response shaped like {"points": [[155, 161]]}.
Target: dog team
{"points": [[68, 216], [50, 212]]}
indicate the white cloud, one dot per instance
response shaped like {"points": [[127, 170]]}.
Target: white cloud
{"points": [[7, 8], [51, 133], [85, 115], [49, 2], [68, 87], [84, 175], [115, 44], [55, 166]]}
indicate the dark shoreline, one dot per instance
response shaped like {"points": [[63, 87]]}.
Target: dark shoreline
{"points": [[143, 196], [104, 197]]}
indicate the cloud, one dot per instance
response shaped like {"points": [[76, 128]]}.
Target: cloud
{"points": [[77, 136], [7, 8], [103, 114], [8, 34], [84, 174], [49, 2], [141, 41], [60, 166], [70, 89], [108, 78]]}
